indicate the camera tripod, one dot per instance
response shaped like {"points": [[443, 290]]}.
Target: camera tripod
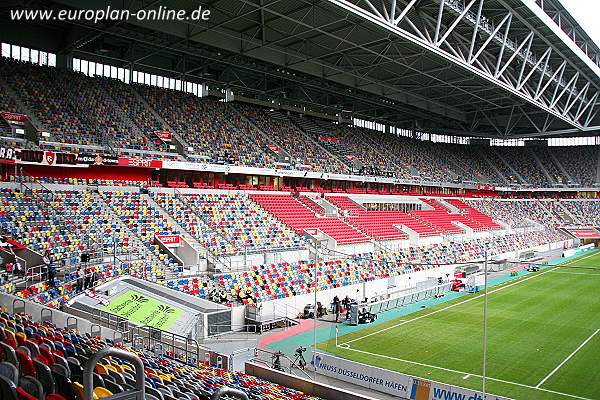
{"points": [[299, 361]]}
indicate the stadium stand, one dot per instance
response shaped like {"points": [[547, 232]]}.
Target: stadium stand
{"points": [[381, 225], [472, 214], [38, 89], [299, 217], [187, 215], [241, 134], [214, 130], [281, 280], [519, 164], [238, 223], [44, 361], [301, 158], [143, 220], [288, 138], [581, 212], [580, 163], [141, 136], [353, 147]]}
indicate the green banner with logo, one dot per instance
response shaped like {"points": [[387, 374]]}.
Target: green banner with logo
{"points": [[144, 310]]}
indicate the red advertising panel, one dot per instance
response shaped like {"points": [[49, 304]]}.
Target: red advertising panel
{"points": [[14, 118], [330, 139], [139, 162], [585, 233], [164, 136], [169, 240]]}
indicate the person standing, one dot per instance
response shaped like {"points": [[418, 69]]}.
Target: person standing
{"points": [[336, 307]]}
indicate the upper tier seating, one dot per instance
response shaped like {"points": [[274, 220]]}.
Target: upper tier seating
{"points": [[126, 116], [286, 136], [522, 162], [580, 162], [39, 90], [299, 217], [214, 130], [139, 113], [469, 164], [46, 362], [352, 147], [102, 114], [7, 103]]}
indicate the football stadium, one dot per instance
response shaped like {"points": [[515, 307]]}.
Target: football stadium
{"points": [[309, 200]]}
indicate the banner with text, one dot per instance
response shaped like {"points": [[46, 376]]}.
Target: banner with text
{"points": [[7, 155], [390, 382], [139, 162], [169, 240], [97, 159], [165, 136], [14, 118]]}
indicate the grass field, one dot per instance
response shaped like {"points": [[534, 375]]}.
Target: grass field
{"points": [[543, 337]]}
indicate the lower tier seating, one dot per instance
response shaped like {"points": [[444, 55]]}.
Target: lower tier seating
{"points": [[281, 280], [296, 215], [41, 361]]}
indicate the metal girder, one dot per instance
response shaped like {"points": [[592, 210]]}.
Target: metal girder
{"points": [[555, 10], [511, 74], [443, 58]]}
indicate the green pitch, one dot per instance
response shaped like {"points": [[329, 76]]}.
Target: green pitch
{"points": [[543, 337], [144, 310]]}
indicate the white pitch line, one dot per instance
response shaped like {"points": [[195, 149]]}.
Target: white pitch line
{"points": [[568, 358], [447, 307], [594, 253], [471, 374], [574, 273]]}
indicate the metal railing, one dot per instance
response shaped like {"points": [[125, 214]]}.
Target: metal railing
{"points": [[90, 366], [218, 331], [278, 361], [166, 343], [405, 299]]}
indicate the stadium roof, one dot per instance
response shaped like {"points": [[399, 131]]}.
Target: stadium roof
{"points": [[443, 66]]}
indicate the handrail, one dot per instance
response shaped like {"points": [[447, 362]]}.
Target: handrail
{"points": [[250, 329], [90, 366], [281, 355], [188, 346], [209, 255], [226, 391]]}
